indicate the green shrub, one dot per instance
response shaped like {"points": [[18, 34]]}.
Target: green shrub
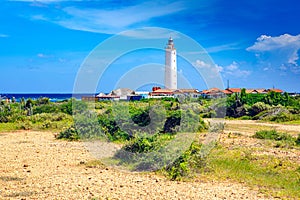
{"points": [[245, 117], [172, 121], [69, 134], [260, 115], [27, 125], [110, 128], [140, 116], [47, 124], [282, 117], [258, 107], [146, 143], [52, 117], [272, 135], [189, 162], [209, 114], [87, 126], [282, 139], [45, 108], [73, 107], [216, 127], [145, 152], [298, 140]]}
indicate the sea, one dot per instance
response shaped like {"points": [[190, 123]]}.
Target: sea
{"points": [[54, 97]]}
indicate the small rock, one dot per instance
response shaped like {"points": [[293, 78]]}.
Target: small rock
{"points": [[25, 165]]}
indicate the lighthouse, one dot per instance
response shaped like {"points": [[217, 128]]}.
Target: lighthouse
{"points": [[170, 66]]}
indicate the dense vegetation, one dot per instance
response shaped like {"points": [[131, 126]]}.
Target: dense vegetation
{"points": [[152, 130], [271, 106], [40, 114]]}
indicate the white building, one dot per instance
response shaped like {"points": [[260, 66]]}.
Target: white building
{"points": [[170, 66]]}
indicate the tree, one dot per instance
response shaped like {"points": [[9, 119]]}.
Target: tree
{"points": [[243, 96]]}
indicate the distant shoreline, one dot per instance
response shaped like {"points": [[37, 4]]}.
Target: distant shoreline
{"points": [[52, 96]]}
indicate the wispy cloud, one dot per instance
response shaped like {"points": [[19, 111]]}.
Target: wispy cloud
{"points": [[112, 21], [42, 55], [150, 33], [234, 70], [210, 69], [225, 47], [3, 35], [278, 51], [44, 1]]}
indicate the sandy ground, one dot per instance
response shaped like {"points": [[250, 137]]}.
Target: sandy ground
{"points": [[279, 127], [33, 165]]}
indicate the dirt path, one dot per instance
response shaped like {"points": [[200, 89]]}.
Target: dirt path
{"points": [[33, 165], [243, 130], [282, 127]]}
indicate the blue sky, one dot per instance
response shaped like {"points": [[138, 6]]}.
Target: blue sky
{"points": [[43, 44]]}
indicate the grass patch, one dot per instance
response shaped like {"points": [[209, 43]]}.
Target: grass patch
{"points": [[272, 135], [94, 164], [144, 152], [295, 122], [20, 194], [271, 175], [249, 128], [70, 134], [7, 127], [282, 139], [10, 178]]}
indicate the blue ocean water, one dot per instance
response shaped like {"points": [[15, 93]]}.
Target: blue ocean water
{"points": [[52, 96]]}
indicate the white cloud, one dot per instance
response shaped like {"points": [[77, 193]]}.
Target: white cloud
{"points": [[201, 64], [268, 43], [150, 33], [231, 70], [232, 67], [266, 69], [112, 21], [39, 17], [283, 67], [212, 68], [42, 55], [224, 47], [278, 51], [3, 36], [234, 70]]}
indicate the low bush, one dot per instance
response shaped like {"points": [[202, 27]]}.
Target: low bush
{"points": [[46, 108], [216, 127], [298, 140], [27, 125], [146, 143], [69, 134], [282, 139], [145, 152], [189, 162], [52, 117], [282, 117], [245, 117], [272, 135]]}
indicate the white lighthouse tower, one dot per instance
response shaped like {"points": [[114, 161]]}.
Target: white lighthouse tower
{"points": [[170, 66]]}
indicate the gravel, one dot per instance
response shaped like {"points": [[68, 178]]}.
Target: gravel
{"points": [[36, 166]]}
